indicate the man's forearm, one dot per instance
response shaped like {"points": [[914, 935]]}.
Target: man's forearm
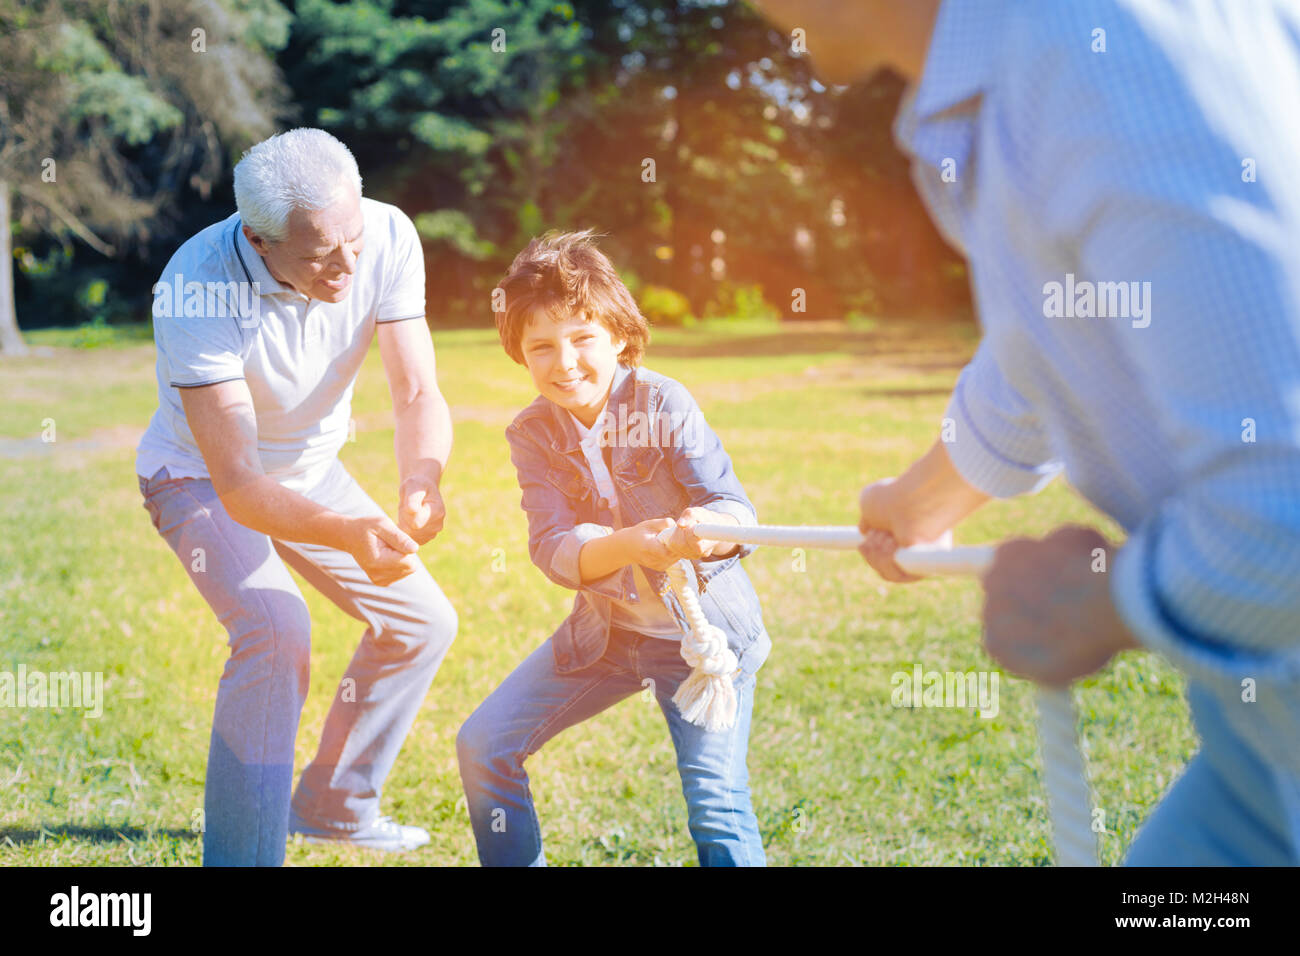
{"points": [[422, 437], [264, 505], [937, 496]]}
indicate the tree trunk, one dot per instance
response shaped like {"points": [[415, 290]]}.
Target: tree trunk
{"points": [[11, 341]]}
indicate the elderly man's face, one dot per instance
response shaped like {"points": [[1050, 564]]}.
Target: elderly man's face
{"points": [[320, 253]]}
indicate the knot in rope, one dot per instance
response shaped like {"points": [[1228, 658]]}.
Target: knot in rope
{"points": [[707, 698]]}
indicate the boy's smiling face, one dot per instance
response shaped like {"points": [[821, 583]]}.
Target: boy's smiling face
{"points": [[572, 362]]}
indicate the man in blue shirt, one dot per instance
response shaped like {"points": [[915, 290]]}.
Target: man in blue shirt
{"points": [[1121, 177]]}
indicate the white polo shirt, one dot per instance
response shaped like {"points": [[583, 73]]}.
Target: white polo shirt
{"points": [[219, 315]]}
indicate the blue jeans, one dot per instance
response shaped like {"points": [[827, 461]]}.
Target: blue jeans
{"points": [[536, 702], [241, 573], [1229, 807]]}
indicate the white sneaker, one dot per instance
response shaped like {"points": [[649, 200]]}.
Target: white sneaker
{"points": [[383, 834]]}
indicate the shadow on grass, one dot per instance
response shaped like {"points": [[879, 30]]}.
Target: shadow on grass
{"points": [[100, 834]]}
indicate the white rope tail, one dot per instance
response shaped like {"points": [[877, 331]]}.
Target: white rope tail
{"points": [[1066, 779], [707, 698]]}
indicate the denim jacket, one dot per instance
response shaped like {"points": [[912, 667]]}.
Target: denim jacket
{"points": [[664, 458]]}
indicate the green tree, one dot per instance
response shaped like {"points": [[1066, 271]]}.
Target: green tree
{"points": [[109, 112], [689, 130], [456, 111]]}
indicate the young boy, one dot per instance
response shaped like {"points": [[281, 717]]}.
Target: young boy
{"points": [[608, 456]]}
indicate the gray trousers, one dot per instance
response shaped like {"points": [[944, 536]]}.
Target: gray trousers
{"points": [[241, 573]]}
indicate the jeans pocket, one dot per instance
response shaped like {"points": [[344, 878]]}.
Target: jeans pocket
{"points": [[755, 654], [153, 487], [150, 509], [154, 480]]}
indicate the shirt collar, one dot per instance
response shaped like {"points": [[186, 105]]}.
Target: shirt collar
{"points": [[569, 439], [585, 434], [937, 119], [254, 267], [958, 68], [963, 49]]}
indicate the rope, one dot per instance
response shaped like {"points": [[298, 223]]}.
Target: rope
{"points": [[1064, 771], [1066, 778], [707, 698]]}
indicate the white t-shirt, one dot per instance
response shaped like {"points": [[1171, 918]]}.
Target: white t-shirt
{"points": [[648, 615], [219, 315]]}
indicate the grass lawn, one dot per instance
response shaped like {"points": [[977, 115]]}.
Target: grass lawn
{"points": [[839, 775]]}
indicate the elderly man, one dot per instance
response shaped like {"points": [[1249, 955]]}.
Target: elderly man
{"points": [[261, 323], [1121, 176]]}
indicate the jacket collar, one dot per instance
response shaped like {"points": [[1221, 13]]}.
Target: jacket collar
{"points": [[567, 440]]}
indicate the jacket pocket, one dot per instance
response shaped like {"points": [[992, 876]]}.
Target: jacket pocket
{"points": [[582, 637], [645, 477], [640, 466], [568, 483]]}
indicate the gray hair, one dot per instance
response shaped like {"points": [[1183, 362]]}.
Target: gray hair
{"points": [[298, 169]]}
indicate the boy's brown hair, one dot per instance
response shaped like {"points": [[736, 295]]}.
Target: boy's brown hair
{"points": [[563, 273]]}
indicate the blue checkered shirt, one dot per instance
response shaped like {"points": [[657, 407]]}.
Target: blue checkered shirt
{"points": [[1068, 147]]}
